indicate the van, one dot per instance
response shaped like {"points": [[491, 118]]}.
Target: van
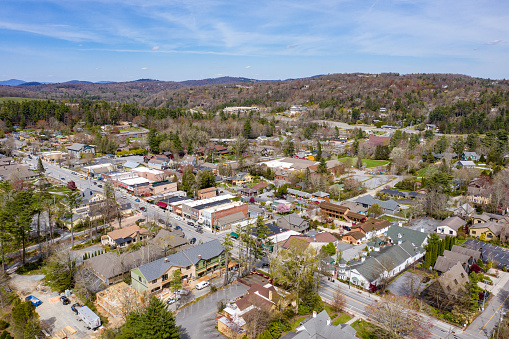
{"points": [[202, 285]]}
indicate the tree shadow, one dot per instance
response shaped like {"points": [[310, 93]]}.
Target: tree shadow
{"points": [[183, 333]]}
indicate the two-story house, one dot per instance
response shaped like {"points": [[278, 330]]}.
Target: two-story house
{"points": [[125, 236], [75, 150], [192, 263]]}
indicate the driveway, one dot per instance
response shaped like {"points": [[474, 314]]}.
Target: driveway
{"points": [[199, 319], [404, 284]]}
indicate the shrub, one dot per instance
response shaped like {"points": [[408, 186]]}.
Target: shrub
{"points": [[3, 324], [6, 335], [213, 289]]}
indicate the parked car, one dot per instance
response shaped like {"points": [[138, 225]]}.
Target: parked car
{"points": [[65, 300], [95, 183], [178, 228], [202, 285], [75, 307], [199, 230], [183, 292], [190, 223], [137, 200], [124, 197], [143, 208], [192, 241], [173, 298], [140, 220], [100, 186], [62, 178]]}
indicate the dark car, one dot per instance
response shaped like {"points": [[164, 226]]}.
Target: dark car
{"points": [[199, 230], [143, 208], [74, 307], [141, 220], [65, 300], [190, 223], [100, 186], [178, 228], [192, 241]]}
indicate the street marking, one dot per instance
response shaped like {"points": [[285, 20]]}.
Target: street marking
{"points": [[494, 314]]}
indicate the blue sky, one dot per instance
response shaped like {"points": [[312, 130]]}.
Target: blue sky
{"points": [[124, 40]]}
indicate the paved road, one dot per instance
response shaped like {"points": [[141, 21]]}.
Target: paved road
{"points": [[357, 303], [198, 320]]}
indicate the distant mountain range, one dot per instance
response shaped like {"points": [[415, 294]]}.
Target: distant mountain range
{"points": [[192, 83]]}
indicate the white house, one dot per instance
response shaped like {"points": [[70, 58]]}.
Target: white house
{"points": [[450, 226]]}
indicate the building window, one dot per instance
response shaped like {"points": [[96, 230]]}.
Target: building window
{"points": [[456, 281], [139, 278], [462, 275], [164, 277], [154, 281], [473, 232], [188, 267]]}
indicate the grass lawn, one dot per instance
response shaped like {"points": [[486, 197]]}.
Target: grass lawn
{"points": [[341, 319], [389, 218], [368, 163], [365, 330], [132, 129], [59, 189], [297, 322]]}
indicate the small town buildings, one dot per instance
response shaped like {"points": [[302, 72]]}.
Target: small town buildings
{"points": [[75, 150], [398, 234], [206, 193], [54, 156], [451, 226], [125, 236], [293, 222], [466, 164], [193, 263], [15, 172], [335, 211], [163, 186]]}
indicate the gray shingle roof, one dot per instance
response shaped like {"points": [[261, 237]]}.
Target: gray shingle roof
{"points": [[415, 237], [185, 258], [386, 260], [318, 328], [453, 222], [369, 200]]}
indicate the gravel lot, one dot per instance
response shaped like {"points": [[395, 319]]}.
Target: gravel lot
{"points": [[53, 315], [376, 182], [402, 285]]}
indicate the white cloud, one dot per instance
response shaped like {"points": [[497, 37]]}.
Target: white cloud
{"points": [[144, 68], [494, 42], [155, 48], [247, 67]]}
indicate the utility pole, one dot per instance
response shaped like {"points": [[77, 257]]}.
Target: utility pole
{"points": [[500, 320]]}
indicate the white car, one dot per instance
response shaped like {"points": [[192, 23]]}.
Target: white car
{"points": [[202, 285]]}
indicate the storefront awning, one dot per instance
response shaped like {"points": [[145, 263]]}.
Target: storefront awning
{"points": [[235, 235], [162, 204]]}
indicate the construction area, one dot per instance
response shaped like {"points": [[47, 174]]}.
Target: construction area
{"points": [[118, 300]]}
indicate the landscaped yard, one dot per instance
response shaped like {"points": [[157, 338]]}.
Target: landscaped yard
{"points": [[341, 319], [368, 163], [297, 322], [365, 330]]}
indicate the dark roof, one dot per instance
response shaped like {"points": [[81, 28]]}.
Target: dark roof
{"points": [[393, 192], [185, 258], [212, 204]]}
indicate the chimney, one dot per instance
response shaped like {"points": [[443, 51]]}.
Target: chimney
{"points": [[400, 224], [422, 229], [363, 258], [314, 314], [199, 256], [328, 321]]}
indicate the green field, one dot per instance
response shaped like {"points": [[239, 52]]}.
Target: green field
{"points": [[341, 319], [368, 163], [16, 99]]}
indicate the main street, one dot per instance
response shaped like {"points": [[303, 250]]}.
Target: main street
{"points": [[152, 213]]}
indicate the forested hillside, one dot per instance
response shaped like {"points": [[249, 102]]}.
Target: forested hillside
{"points": [[456, 103]]}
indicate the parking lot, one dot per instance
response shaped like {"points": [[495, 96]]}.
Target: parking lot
{"points": [[199, 320], [53, 315], [408, 284], [490, 252]]}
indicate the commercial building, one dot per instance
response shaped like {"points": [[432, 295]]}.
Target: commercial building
{"points": [[192, 209]]}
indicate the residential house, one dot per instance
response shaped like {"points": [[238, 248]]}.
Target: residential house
{"points": [[241, 178], [236, 315], [158, 163], [16, 172], [373, 227], [355, 237], [444, 291], [394, 193], [293, 222], [189, 160], [125, 236], [335, 211], [469, 156], [319, 326], [485, 217], [467, 251], [129, 165], [465, 164], [451, 226], [388, 206], [320, 196], [383, 264], [464, 211], [193, 263], [75, 150], [450, 259], [490, 229], [478, 195]]}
